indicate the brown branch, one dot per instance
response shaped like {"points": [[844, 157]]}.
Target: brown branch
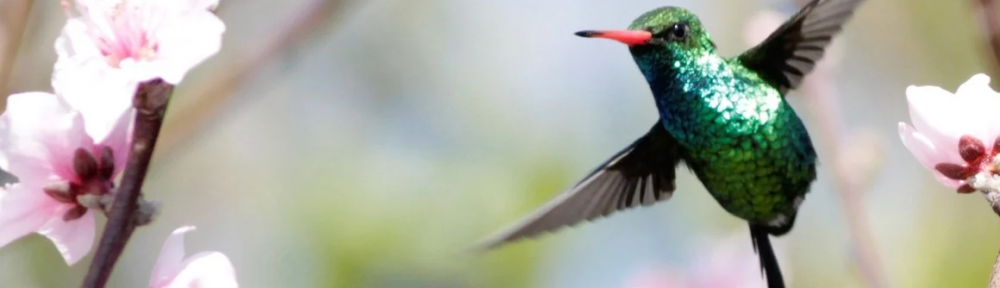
{"points": [[849, 190], [13, 23], [991, 28], [867, 256], [849, 182], [990, 186], [217, 92], [150, 103], [995, 276]]}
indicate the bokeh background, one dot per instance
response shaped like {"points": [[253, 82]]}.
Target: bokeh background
{"points": [[369, 143]]}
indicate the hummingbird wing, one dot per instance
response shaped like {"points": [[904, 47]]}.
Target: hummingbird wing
{"points": [[641, 174], [791, 51]]}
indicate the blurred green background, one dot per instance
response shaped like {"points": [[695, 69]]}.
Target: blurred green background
{"points": [[374, 148]]}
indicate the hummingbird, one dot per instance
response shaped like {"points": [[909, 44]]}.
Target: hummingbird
{"points": [[726, 119]]}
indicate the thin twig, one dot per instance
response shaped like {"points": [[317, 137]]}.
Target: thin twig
{"points": [[995, 276], [823, 102], [823, 99], [849, 185], [991, 27], [150, 103], [990, 186], [217, 92], [13, 23], [853, 206], [861, 236]]}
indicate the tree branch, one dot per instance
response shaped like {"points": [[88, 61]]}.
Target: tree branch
{"points": [[995, 276], [983, 182], [857, 223], [217, 92], [13, 23], [990, 186], [991, 28], [150, 103], [850, 177]]}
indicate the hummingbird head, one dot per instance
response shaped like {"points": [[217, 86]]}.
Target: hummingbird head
{"points": [[662, 28], [661, 36]]}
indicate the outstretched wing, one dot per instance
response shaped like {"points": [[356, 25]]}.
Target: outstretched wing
{"points": [[641, 174], [791, 51]]}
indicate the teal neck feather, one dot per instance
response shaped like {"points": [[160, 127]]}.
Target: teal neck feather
{"points": [[695, 89]]}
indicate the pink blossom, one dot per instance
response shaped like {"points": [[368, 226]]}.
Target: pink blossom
{"points": [[727, 263], [60, 161], [202, 270], [138, 40], [761, 25], [953, 135], [656, 277]]}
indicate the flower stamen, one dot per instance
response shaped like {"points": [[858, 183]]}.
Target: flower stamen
{"points": [[75, 213], [971, 148], [954, 171], [120, 31], [60, 191], [974, 153], [93, 181]]}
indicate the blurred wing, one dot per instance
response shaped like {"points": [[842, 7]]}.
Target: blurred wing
{"points": [[641, 174], [791, 51]]}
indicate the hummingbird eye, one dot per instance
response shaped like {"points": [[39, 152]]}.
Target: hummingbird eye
{"points": [[677, 32]]}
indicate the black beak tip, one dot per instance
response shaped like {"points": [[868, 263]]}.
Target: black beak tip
{"points": [[586, 33]]}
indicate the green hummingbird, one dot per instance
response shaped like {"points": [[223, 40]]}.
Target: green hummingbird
{"points": [[725, 118]]}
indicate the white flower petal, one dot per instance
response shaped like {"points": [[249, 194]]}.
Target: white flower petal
{"points": [[184, 6], [73, 238], [39, 136], [983, 107], [101, 97], [203, 5], [185, 42], [171, 258], [978, 84], [178, 35], [23, 210], [926, 153], [921, 147], [937, 114], [75, 43], [119, 139], [206, 269]]}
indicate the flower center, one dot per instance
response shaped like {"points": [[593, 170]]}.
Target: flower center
{"points": [[977, 159], [93, 180], [121, 32]]}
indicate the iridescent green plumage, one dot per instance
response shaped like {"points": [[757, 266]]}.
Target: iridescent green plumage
{"points": [[747, 146], [725, 118]]}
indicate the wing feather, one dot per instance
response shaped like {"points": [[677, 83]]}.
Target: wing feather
{"points": [[791, 51], [640, 175]]}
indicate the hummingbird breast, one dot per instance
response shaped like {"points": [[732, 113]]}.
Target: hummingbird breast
{"points": [[743, 141]]}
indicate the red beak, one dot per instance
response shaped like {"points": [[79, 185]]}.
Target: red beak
{"points": [[629, 37]]}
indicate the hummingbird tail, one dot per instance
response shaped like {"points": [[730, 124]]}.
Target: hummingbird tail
{"points": [[768, 261]]}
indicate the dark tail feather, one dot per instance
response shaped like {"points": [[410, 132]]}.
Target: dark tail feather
{"points": [[768, 262]]}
